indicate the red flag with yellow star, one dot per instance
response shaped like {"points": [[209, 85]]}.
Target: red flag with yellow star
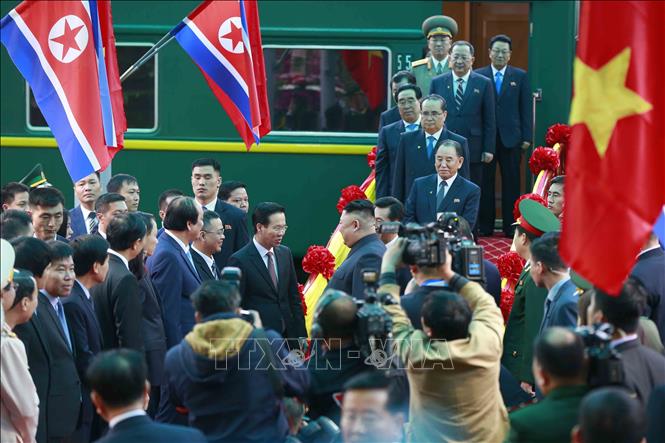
{"points": [[615, 184]]}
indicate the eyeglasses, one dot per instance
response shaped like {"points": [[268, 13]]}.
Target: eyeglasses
{"points": [[431, 114], [219, 233], [500, 52], [460, 57], [279, 229]]}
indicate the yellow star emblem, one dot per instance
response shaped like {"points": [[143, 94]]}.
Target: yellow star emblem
{"points": [[371, 54], [602, 98]]}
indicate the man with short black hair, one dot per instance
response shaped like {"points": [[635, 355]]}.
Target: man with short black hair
{"points": [[84, 217], [127, 186], [560, 368], [15, 196], [388, 209], [512, 97], [107, 207], [46, 207], [392, 115], [416, 149], [445, 190], [373, 409], [206, 180], [235, 193], [225, 353], [548, 270], [208, 243], [357, 226], [268, 283], [117, 300], [16, 223], [49, 343], [120, 394], [91, 264], [644, 369], [408, 105], [610, 415], [165, 198], [172, 268], [32, 254], [555, 196]]}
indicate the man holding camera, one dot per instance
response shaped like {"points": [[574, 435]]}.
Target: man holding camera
{"points": [[453, 364]]}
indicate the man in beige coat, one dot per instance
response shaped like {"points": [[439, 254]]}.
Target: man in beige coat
{"points": [[453, 363]]}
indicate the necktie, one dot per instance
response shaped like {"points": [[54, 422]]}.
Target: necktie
{"points": [[440, 195], [92, 223], [63, 323], [191, 260], [411, 127], [430, 146], [548, 302], [459, 94], [498, 80], [439, 68], [271, 269], [213, 268]]}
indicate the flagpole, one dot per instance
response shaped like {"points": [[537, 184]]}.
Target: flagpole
{"points": [[148, 55]]}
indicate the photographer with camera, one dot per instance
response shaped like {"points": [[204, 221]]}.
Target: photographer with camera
{"points": [[229, 375], [453, 364]]}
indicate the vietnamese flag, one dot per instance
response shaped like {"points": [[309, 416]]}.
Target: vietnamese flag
{"points": [[615, 184], [367, 69]]}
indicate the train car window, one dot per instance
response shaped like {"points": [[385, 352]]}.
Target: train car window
{"points": [[139, 92], [327, 89]]}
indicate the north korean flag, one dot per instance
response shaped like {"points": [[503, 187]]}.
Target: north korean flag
{"points": [[58, 46], [223, 39]]}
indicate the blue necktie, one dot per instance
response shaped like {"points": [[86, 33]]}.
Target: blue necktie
{"points": [[440, 195], [411, 127], [63, 322], [191, 260], [498, 80], [430, 146]]}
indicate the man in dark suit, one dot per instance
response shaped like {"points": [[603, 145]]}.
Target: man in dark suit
{"points": [[561, 376], [117, 300], [120, 393], [208, 243], [407, 97], [91, 264], [512, 94], [172, 269], [444, 191], [392, 115], [644, 369], [415, 151], [470, 106], [357, 227], [46, 207], [108, 206], [549, 271], [206, 180], [650, 271], [49, 342], [268, 283], [84, 217]]}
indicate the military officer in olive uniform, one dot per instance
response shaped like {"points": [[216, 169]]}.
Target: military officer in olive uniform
{"points": [[439, 30], [528, 306]]}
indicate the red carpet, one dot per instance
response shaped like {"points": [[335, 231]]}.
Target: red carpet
{"points": [[495, 246]]}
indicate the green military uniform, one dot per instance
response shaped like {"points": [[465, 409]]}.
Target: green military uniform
{"points": [[35, 178], [550, 420], [425, 69], [528, 305]]}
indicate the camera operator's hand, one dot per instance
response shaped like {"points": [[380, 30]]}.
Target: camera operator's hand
{"points": [[393, 256], [447, 270]]}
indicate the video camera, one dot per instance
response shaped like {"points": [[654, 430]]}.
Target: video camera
{"points": [[374, 325], [427, 244], [232, 275], [605, 366]]}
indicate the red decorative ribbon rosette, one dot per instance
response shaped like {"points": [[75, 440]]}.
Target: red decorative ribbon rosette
{"points": [[371, 158], [543, 159], [349, 194], [535, 197], [506, 304], [301, 293], [558, 133], [510, 266], [319, 260]]}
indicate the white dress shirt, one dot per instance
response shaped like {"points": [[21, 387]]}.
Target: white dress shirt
{"points": [[86, 213], [122, 257], [449, 183], [125, 415], [177, 240], [209, 260], [465, 77], [263, 252]]}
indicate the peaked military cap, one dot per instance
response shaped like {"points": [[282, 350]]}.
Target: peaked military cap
{"points": [[35, 178], [580, 281], [440, 25], [536, 218]]}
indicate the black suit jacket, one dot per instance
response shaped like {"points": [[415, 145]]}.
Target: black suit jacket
{"points": [[142, 429], [366, 253], [650, 271], [513, 105], [388, 117], [644, 369], [475, 120], [152, 328], [53, 369], [386, 152], [412, 162], [118, 307], [235, 232], [280, 307], [202, 267]]}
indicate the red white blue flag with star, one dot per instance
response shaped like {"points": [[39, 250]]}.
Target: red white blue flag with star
{"points": [[65, 50], [224, 40]]}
